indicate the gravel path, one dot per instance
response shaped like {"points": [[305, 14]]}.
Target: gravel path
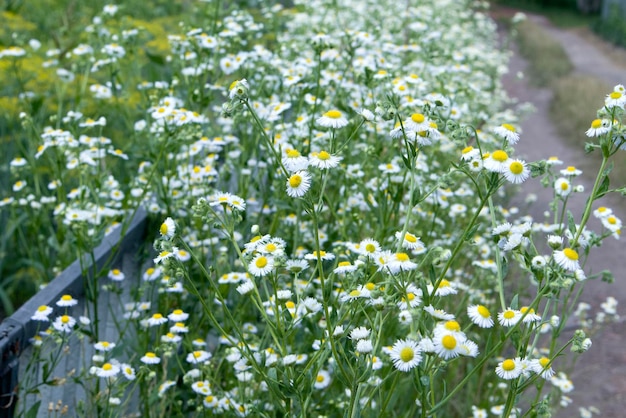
{"points": [[600, 374]]}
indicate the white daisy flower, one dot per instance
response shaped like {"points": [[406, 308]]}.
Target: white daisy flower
{"points": [[294, 161], [480, 315], [298, 184], [364, 346], [516, 171], [567, 258], [323, 160], [333, 119], [156, 319], [509, 369], [344, 267], [322, 380], [416, 123], [42, 313], [562, 187], [496, 161], [531, 316], [66, 301], [412, 299], [542, 367], [405, 355], [447, 345], [509, 317], [168, 228], [198, 356], [64, 323], [150, 358], [128, 371], [438, 313], [108, 370], [598, 127], [116, 275], [261, 265], [178, 316], [508, 132], [410, 241]]}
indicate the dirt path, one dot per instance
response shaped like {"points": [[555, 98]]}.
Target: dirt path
{"points": [[600, 375]]}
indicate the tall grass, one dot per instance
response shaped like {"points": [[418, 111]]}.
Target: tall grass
{"points": [[547, 58]]}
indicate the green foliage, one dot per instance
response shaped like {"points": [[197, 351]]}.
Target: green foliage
{"points": [[613, 27]]}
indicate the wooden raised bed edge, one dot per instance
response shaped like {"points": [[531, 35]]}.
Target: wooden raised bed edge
{"points": [[17, 330]]}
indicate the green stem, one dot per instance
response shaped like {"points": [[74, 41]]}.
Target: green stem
{"points": [[590, 200]]}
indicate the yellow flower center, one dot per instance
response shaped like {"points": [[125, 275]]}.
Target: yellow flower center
{"points": [[407, 354], [150, 354], [417, 117], [295, 181], [116, 272], [150, 271], [616, 95], [323, 155], [410, 238], [163, 229], [508, 127], [500, 156], [564, 186], [197, 354], [467, 149], [402, 257], [42, 308], [516, 167], [355, 293], [508, 314], [570, 254], [571, 169], [319, 378], [270, 247], [157, 316], [452, 326], [290, 305], [612, 220], [596, 123], [484, 312], [525, 309], [177, 312], [370, 248], [333, 114], [370, 286], [544, 361], [444, 283], [344, 264], [261, 262], [107, 366], [508, 365], [292, 153], [65, 319], [448, 342]]}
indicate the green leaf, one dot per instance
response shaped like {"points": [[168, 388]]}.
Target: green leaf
{"points": [[515, 302], [604, 187], [571, 224], [33, 412], [608, 169]]}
